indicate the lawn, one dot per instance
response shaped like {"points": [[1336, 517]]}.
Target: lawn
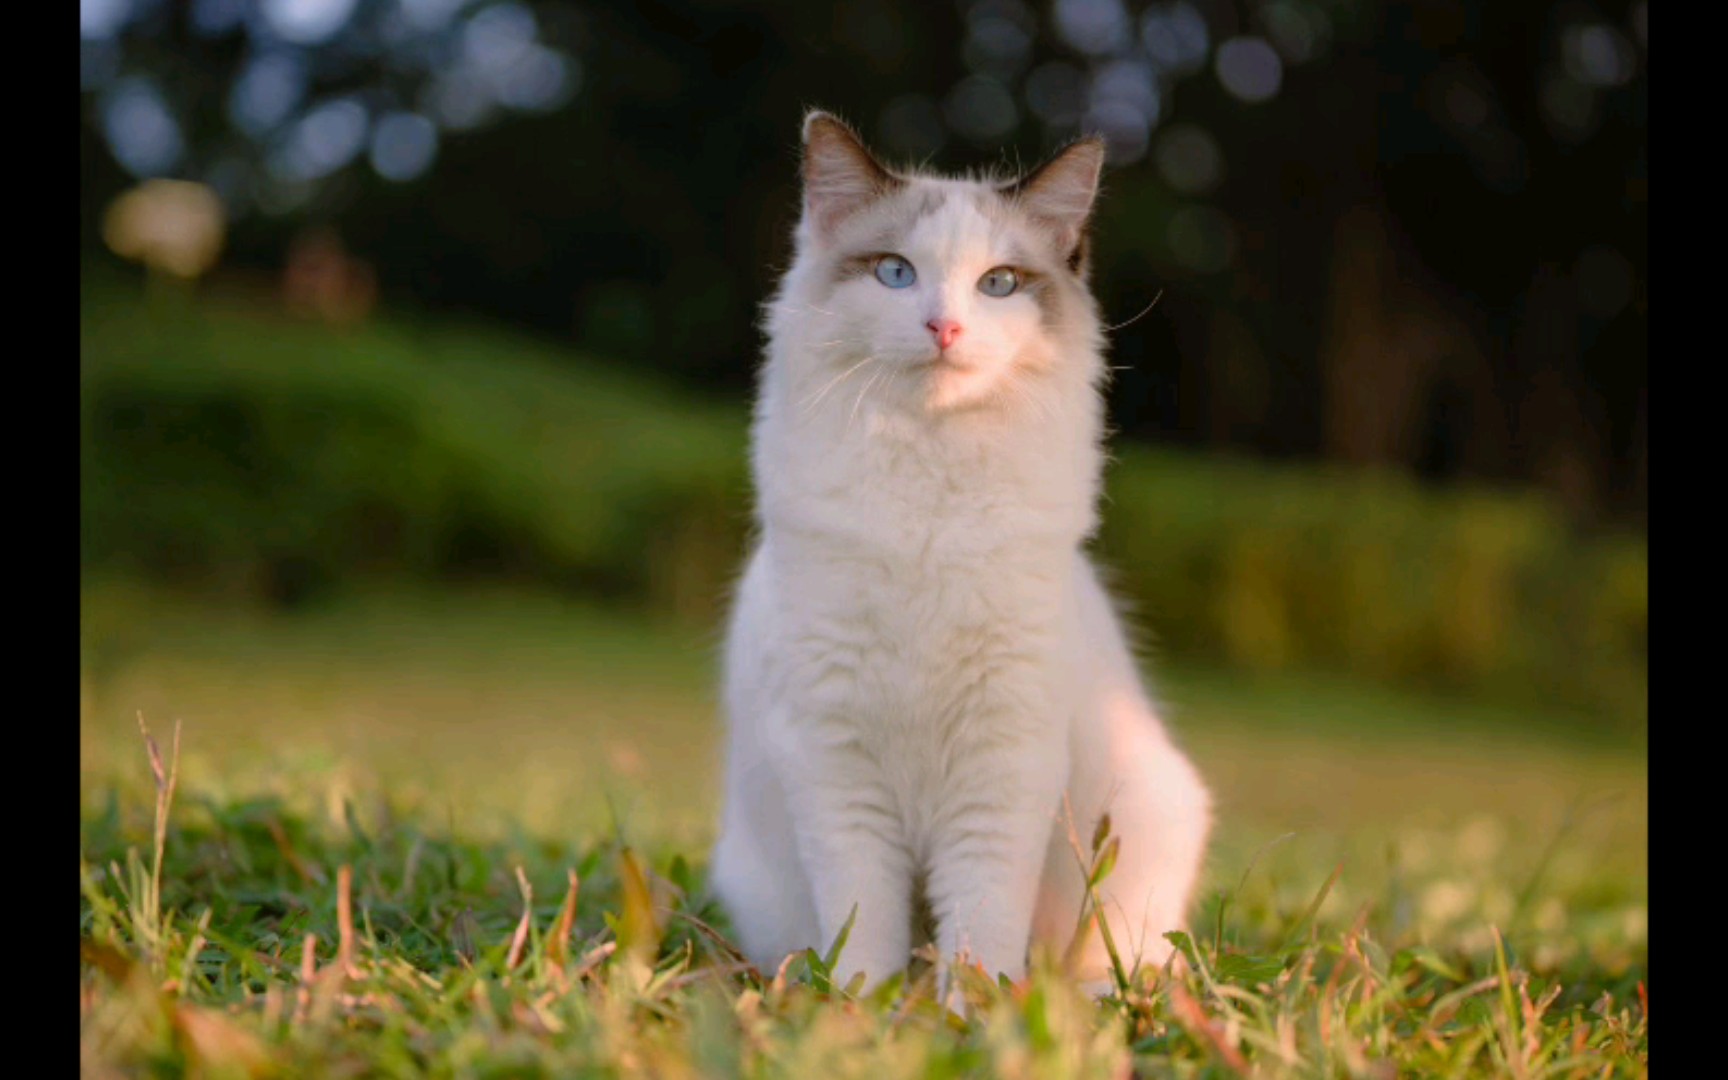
{"points": [[464, 835]]}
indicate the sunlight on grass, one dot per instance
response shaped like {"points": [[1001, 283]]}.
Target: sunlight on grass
{"points": [[528, 709], [1398, 885]]}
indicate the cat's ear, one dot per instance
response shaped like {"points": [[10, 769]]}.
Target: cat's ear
{"points": [[1059, 193], [840, 175]]}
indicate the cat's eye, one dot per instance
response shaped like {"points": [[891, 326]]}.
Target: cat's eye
{"points": [[1001, 281], [895, 272]]}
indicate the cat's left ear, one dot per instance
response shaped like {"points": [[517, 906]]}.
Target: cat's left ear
{"points": [[1059, 194]]}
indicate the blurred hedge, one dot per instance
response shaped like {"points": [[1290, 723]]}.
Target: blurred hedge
{"points": [[227, 447], [1372, 574]]}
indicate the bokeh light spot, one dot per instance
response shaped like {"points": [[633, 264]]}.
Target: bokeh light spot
{"points": [[141, 132], [267, 92], [1124, 107], [540, 80], [99, 19], [1598, 55], [1175, 37], [307, 22], [1099, 27], [1250, 69], [1299, 31], [170, 225], [403, 146], [498, 36], [1125, 128], [1131, 82], [324, 140]]}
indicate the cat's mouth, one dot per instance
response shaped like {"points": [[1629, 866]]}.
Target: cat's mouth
{"points": [[944, 361]]}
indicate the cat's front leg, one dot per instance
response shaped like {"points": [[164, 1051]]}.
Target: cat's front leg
{"points": [[852, 849], [987, 851]]}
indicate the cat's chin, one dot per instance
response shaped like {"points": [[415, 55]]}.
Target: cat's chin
{"points": [[953, 385]]}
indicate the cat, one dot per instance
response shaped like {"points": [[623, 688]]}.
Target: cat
{"points": [[926, 686]]}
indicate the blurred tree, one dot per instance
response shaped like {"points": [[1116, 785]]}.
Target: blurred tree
{"points": [[1408, 233]]}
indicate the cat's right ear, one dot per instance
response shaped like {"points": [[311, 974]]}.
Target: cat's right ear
{"points": [[1060, 194], [840, 175]]}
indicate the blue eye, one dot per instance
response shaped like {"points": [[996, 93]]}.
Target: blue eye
{"points": [[895, 272], [1001, 281]]}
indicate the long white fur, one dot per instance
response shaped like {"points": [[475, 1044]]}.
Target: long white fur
{"points": [[921, 662]]}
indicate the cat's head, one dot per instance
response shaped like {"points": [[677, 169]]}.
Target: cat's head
{"points": [[960, 292]]}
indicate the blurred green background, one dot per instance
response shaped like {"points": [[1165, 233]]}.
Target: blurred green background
{"points": [[416, 340]]}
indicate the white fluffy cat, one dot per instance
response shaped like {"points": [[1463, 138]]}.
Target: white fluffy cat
{"points": [[921, 662]]}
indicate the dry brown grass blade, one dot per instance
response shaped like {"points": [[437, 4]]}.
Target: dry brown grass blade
{"points": [[593, 959], [1324, 1005], [718, 973], [519, 939], [638, 929], [311, 875], [1448, 1005], [777, 985], [1353, 950], [308, 975], [1192, 1017], [166, 780], [216, 1044], [558, 946], [1349, 956], [345, 922], [713, 935], [155, 753], [1532, 1011]]}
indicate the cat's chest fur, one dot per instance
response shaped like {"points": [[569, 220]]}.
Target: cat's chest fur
{"points": [[922, 579]]}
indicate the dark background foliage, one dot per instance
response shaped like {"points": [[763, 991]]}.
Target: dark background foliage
{"points": [[1427, 247]]}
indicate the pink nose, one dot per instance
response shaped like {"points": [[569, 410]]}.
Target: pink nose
{"points": [[945, 331]]}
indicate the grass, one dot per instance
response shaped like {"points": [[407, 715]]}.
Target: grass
{"points": [[464, 836]]}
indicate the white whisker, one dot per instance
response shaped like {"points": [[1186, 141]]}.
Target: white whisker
{"points": [[859, 400], [1137, 318], [815, 399]]}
